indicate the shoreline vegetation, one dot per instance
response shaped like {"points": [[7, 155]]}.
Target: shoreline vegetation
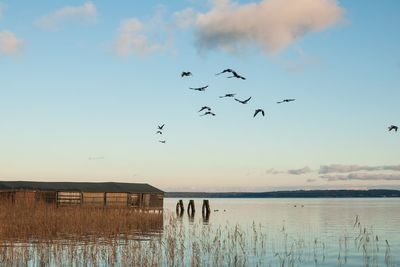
{"points": [[371, 193], [38, 235], [26, 221]]}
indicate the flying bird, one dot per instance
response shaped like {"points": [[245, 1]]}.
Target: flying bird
{"points": [[199, 88], [244, 101], [393, 127], [227, 95], [258, 111], [225, 70], [203, 108], [186, 73], [160, 127], [158, 132], [234, 74], [208, 113], [162, 141], [285, 100]]}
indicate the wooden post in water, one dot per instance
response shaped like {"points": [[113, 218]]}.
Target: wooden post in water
{"points": [[191, 209], [180, 208], [206, 208]]}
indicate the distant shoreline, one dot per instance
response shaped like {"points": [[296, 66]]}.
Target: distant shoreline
{"points": [[373, 193]]}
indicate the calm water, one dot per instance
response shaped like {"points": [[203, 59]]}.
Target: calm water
{"points": [[322, 225], [239, 232]]}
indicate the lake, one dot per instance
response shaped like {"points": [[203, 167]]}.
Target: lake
{"points": [[238, 232], [317, 222]]}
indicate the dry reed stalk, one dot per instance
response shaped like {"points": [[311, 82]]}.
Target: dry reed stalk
{"points": [[25, 221]]}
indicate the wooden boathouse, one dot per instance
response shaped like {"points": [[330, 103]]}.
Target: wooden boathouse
{"points": [[110, 194]]}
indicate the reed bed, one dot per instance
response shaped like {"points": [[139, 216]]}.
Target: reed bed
{"points": [[181, 244], [30, 221]]}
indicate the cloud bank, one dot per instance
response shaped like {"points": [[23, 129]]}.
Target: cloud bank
{"points": [[270, 24], [338, 168], [300, 171], [9, 43], [362, 176], [85, 13]]}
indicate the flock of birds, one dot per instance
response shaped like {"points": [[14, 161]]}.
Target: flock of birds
{"points": [[160, 128], [208, 111]]}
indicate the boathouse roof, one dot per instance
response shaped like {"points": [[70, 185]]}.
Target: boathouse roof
{"points": [[78, 186]]}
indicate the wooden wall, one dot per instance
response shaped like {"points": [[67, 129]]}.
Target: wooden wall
{"points": [[98, 199], [93, 199], [156, 200], [116, 199], [25, 196], [46, 196], [134, 200], [68, 198]]}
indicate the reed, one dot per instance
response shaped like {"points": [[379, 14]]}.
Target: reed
{"points": [[81, 236], [26, 221]]}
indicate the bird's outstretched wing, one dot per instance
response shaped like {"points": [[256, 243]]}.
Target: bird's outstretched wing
{"points": [[224, 71], [199, 88], [238, 100], [203, 108], [247, 100]]}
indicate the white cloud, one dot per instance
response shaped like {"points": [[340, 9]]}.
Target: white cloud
{"points": [[185, 18], [85, 13], [271, 24], [300, 171], [362, 176], [339, 168], [136, 37], [9, 43]]}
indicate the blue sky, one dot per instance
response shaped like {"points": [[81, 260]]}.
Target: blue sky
{"points": [[85, 84]]}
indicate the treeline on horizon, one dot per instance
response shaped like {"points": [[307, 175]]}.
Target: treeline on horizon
{"points": [[290, 194]]}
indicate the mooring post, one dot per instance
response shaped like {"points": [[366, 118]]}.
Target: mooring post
{"points": [[206, 208], [180, 208], [191, 209]]}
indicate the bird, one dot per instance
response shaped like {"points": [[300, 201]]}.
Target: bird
{"points": [[285, 100], [244, 101], [258, 111], [158, 132], [393, 127], [227, 95], [225, 70], [186, 73], [160, 127], [162, 141], [203, 108], [208, 113], [199, 88], [235, 75]]}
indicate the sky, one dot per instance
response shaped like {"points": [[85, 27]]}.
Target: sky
{"points": [[84, 85]]}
